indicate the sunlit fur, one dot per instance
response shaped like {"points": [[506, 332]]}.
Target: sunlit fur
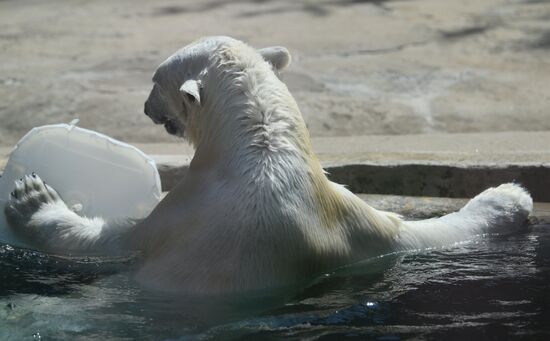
{"points": [[256, 210]]}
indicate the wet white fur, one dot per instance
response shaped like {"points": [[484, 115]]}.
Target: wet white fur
{"points": [[256, 209]]}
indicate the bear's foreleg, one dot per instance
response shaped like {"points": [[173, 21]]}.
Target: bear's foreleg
{"points": [[37, 214]]}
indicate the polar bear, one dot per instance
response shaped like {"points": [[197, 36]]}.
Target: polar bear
{"points": [[256, 210]]}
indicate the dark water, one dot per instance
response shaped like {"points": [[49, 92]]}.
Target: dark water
{"points": [[489, 289]]}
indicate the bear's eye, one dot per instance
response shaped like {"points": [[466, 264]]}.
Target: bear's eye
{"points": [[190, 98]]}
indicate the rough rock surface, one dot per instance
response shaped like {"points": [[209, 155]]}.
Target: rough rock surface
{"points": [[360, 67]]}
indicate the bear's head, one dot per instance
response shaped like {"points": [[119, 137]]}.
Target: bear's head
{"points": [[177, 97]]}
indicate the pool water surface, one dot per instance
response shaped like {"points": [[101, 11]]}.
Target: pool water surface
{"points": [[489, 288]]}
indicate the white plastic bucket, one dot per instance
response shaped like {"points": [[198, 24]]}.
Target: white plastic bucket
{"points": [[108, 178]]}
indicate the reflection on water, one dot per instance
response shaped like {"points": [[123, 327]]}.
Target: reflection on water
{"points": [[496, 288]]}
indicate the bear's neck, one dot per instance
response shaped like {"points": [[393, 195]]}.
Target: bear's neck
{"points": [[255, 126]]}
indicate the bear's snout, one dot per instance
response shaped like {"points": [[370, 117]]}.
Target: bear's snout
{"points": [[147, 109]]}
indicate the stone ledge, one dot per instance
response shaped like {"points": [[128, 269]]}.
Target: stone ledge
{"points": [[439, 165], [441, 180], [420, 179]]}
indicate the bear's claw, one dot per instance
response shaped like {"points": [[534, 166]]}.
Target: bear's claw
{"points": [[29, 195]]}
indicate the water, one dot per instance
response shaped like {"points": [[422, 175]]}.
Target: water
{"points": [[491, 288]]}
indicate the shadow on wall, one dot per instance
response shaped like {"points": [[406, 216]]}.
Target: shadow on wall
{"points": [[543, 41], [464, 32], [317, 8]]}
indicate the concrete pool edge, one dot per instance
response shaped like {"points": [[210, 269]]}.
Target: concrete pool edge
{"points": [[433, 165], [436, 165]]}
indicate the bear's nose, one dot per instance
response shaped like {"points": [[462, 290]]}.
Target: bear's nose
{"points": [[147, 110]]}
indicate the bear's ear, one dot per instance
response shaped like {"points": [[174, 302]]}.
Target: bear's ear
{"points": [[278, 56], [191, 90]]}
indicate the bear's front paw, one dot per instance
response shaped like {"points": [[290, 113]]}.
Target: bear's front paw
{"points": [[30, 195]]}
